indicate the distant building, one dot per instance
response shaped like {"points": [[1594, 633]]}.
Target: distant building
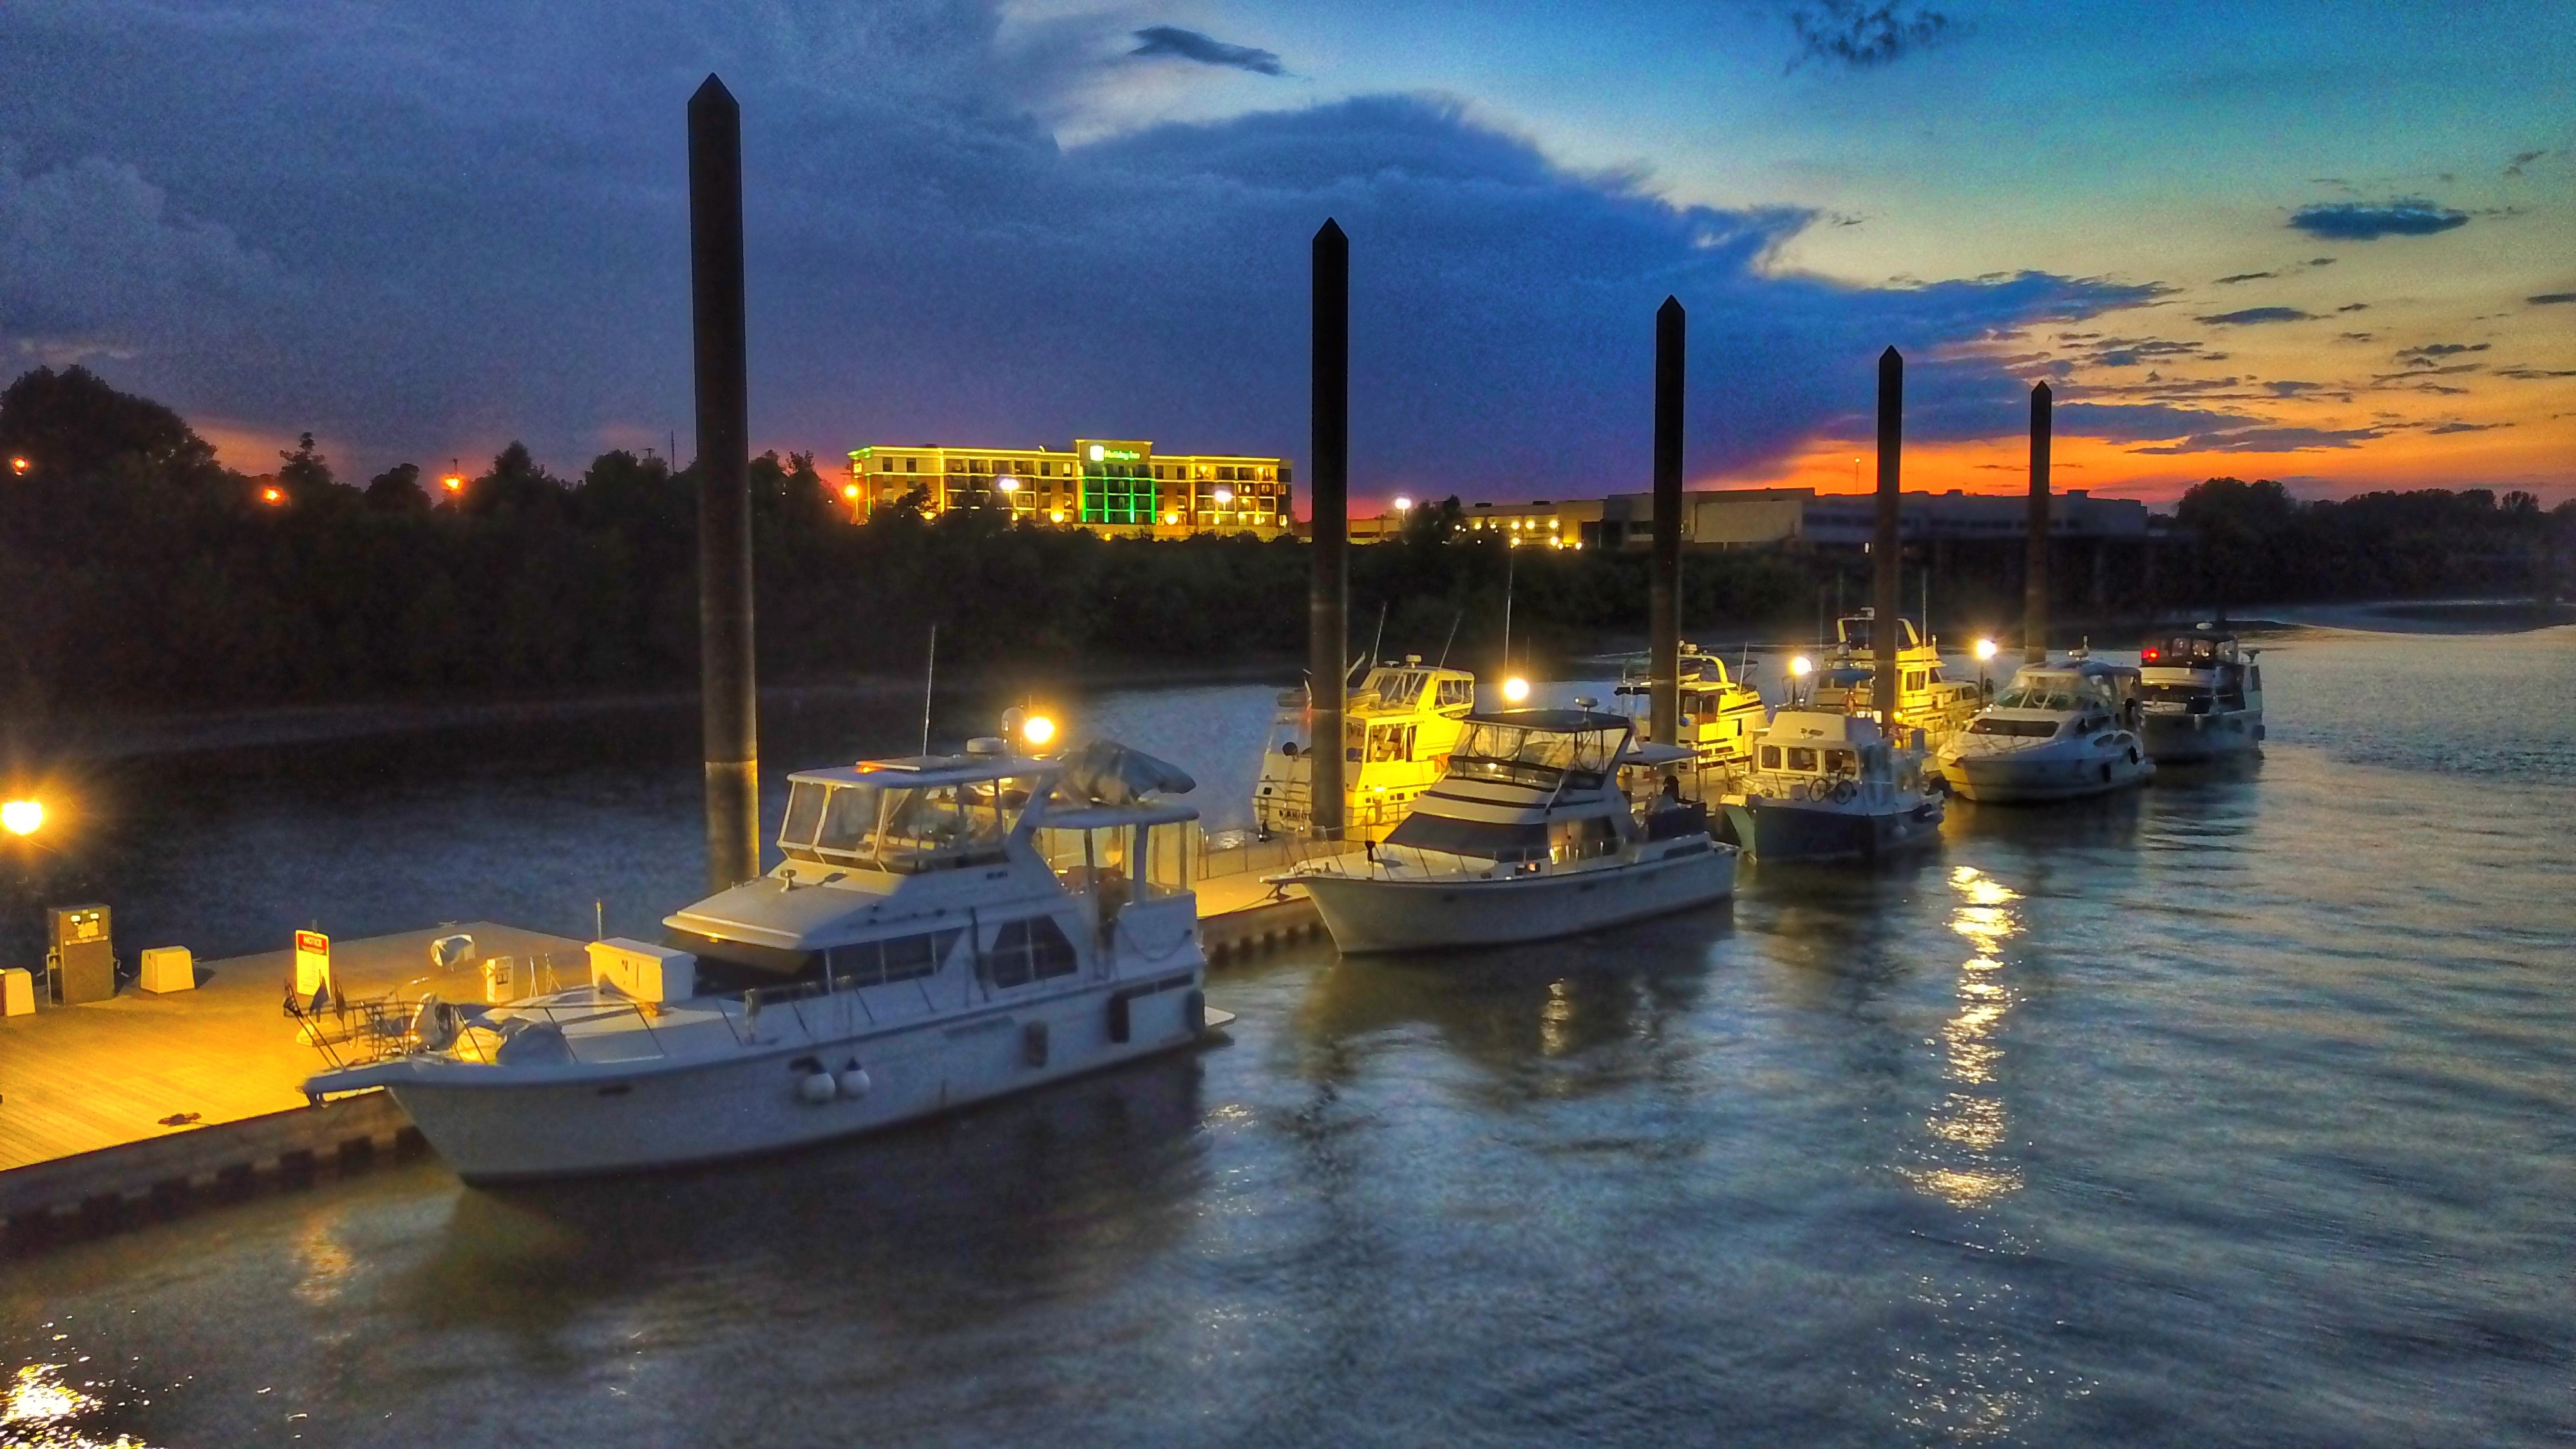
{"points": [[1796, 518], [1107, 485]]}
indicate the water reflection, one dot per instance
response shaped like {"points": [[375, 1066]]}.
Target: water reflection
{"points": [[1966, 1166], [1057, 1191], [40, 1411], [1551, 1019]]}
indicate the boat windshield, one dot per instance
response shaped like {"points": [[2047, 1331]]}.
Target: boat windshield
{"points": [[2057, 691], [2029, 729], [1535, 755], [902, 829]]}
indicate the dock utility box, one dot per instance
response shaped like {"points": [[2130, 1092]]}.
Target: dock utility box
{"points": [[642, 971], [80, 953], [17, 992], [167, 969]]}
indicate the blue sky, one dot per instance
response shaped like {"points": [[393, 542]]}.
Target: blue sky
{"points": [[2233, 239]]}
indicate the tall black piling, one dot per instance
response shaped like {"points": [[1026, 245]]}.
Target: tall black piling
{"points": [[1328, 596], [1891, 447], [1664, 610], [730, 706], [2034, 588]]}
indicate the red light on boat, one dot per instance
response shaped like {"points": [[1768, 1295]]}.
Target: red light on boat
{"points": [[2150, 656]]}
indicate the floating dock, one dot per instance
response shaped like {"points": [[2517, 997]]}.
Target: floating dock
{"points": [[144, 1105]]}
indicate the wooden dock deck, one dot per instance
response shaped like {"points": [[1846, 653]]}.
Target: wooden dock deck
{"points": [[76, 1079]]}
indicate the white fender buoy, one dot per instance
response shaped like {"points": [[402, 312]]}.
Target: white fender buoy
{"points": [[854, 1081], [815, 1087]]}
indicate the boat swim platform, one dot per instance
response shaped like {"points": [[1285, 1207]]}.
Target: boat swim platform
{"points": [[141, 1105]]}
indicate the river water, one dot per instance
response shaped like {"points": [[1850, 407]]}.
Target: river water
{"points": [[2241, 1109]]}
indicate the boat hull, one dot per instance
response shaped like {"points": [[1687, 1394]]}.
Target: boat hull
{"points": [[1368, 913], [498, 1124], [2176, 739], [2011, 779], [1787, 830]]}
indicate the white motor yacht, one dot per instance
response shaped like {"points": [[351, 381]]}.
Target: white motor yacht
{"points": [[1527, 836], [1925, 699], [1397, 727], [2200, 697], [944, 929], [2057, 732], [1829, 786]]}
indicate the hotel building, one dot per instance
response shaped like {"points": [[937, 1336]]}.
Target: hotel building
{"points": [[1107, 485]]}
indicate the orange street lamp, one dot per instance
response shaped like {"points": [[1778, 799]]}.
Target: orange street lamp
{"points": [[22, 817], [850, 491], [20, 464], [272, 496]]}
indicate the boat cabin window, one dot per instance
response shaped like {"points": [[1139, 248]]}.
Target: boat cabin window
{"points": [[1027, 951], [901, 829], [725, 967], [1770, 757], [1841, 762], [874, 963], [1802, 760], [1456, 692], [1390, 742], [1533, 756], [2032, 729], [1583, 839], [2057, 691], [1122, 862]]}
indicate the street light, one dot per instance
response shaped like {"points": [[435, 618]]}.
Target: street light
{"points": [[23, 817], [1985, 652], [1403, 504], [1038, 729], [1515, 689], [1800, 666], [20, 463], [272, 496]]}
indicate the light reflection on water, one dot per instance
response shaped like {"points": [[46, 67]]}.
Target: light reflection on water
{"points": [[2231, 1110]]}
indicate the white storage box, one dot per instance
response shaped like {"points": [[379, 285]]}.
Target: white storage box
{"points": [[17, 992], [169, 968], [642, 971]]}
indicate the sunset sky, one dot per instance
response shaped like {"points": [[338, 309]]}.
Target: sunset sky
{"points": [[2326, 243]]}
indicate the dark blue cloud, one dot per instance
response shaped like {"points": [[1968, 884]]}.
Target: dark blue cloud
{"points": [[2245, 277], [2251, 315], [2371, 220], [1860, 35], [2269, 440], [2546, 299], [1182, 44], [453, 230]]}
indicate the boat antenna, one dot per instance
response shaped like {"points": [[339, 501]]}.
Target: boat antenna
{"points": [[1370, 659], [1452, 639], [929, 677]]}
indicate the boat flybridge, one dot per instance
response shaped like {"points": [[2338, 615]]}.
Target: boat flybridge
{"points": [[1397, 729], [2057, 732], [1527, 836], [1924, 699], [2200, 697], [1833, 786], [944, 929], [1721, 712]]}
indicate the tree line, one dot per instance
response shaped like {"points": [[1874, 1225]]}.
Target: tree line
{"points": [[141, 574]]}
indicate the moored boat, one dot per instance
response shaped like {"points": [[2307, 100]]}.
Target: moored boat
{"points": [[944, 929], [1832, 786], [1527, 837], [1397, 728], [2056, 732], [2200, 697]]}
